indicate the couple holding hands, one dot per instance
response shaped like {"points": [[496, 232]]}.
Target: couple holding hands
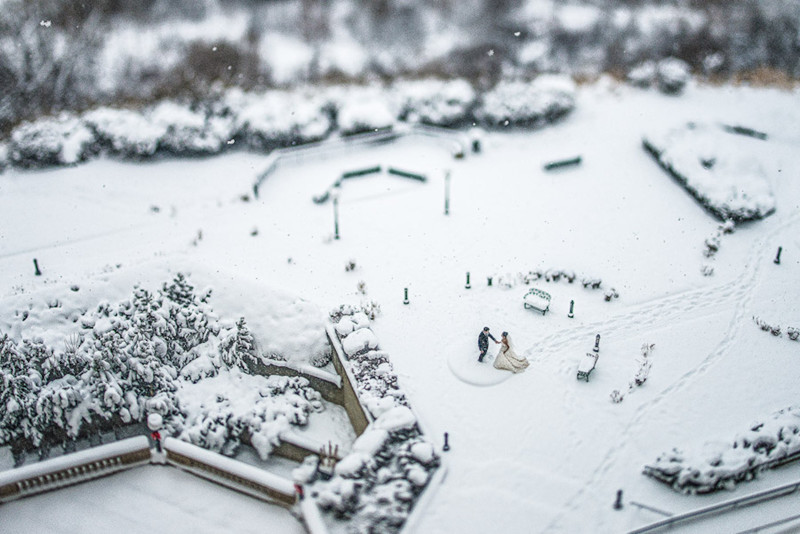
{"points": [[506, 359]]}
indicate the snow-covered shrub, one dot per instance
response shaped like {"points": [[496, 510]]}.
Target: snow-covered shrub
{"points": [[435, 102], [275, 119], [232, 408], [719, 169], [766, 444], [642, 75], [672, 74], [124, 132], [187, 131], [527, 104], [376, 485], [63, 140], [361, 109]]}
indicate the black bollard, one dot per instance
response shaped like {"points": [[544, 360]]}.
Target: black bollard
{"points": [[405, 299], [618, 502], [447, 193], [467, 286], [446, 446], [36, 266], [777, 259], [336, 217], [489, 281], [571, 314], [597, 343]]}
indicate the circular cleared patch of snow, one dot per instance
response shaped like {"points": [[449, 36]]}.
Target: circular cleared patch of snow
{"points": [[468, 369]]}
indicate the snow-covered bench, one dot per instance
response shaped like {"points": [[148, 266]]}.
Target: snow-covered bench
{"points": [[538, 300], [587, 365]]}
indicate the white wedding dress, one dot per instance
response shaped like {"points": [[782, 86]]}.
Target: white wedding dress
{"points": [[508, 360]]}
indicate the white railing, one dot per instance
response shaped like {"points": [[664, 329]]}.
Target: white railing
{"points": [[73, 468], [726, 506]]}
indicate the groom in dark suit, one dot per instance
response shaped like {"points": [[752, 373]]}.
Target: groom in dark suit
{"points": [[483, 342]]}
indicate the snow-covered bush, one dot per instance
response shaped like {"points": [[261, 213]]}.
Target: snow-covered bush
{"points": [[435, 102], [63, 140], [233, 408], [642, 75], [275, 119], [672, 75], [361, 109], [766, 444], [720, 170], [527, 104], [189, 132], [125, 132]]}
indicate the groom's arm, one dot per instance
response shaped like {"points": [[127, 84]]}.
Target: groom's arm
{"points": [[493, 339]]}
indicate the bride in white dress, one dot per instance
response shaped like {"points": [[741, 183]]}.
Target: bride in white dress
{"points": [[507, 359]]}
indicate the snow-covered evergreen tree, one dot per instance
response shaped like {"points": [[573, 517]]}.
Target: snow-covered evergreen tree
{"points": [[238, 348]]}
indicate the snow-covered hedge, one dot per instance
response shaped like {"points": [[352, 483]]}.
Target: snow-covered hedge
{"points": [[375, 486], [435, 102], [63, 140], [527, 104], [164, 352], [274, 119], [766, 444], [361, 109], [719, 169]]}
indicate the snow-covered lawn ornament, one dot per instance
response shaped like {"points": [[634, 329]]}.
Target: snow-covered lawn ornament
{"points": [[596, 343]]}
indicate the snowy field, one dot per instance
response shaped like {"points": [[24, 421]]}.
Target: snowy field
{"points": [[535, 452]]}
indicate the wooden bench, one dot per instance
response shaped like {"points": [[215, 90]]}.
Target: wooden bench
{"points": [[538, 300], [587, 365]]}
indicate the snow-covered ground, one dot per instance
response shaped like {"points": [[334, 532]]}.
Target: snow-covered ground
{"points": [[536, 452]]}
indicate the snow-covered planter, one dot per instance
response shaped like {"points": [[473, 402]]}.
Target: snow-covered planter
{"points": [[125, 132], [765, 445], [375, 486], [49, 141], [527, 104], [718, 169], [435, 102]]}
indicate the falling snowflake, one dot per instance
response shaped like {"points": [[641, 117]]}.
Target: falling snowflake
{"points": [[516, 34], [491, 53], [231, 141], [45, 23]]}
